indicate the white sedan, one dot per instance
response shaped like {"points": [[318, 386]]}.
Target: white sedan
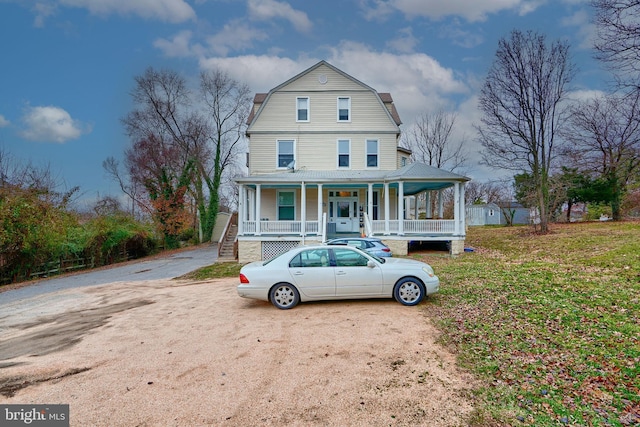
{"points": [[312, 273]]}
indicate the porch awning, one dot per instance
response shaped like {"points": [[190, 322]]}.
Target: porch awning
{"points": [[416, 178]]}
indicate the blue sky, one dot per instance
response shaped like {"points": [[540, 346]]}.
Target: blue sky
{"points": [[68, 65]]}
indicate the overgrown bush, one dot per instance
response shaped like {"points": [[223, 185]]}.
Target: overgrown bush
{"points": [[39, 236], [596, 210], [118, 237]]}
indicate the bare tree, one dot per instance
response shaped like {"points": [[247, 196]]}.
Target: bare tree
{"points": [[606, 142], [202, 130], [522, 104], [132, 188], [228, 102], [488, 192], [618, 39], [431, 143]]}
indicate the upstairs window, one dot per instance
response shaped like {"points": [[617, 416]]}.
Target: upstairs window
{"points": [[344, 109], [286, 153], [344, 153], [302, 109], [372, 153]]}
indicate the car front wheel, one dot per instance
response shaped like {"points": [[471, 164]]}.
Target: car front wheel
{"points": [[409, 291], [284, 296]]}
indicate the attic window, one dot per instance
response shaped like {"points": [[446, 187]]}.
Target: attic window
{"points": [[344, 109], [302, 109]]}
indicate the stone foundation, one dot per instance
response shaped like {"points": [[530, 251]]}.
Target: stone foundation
{"points": [[457, 247], [249, 250], [398, 247]]}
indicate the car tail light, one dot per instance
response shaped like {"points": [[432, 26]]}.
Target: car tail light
{"points": [[243, 278], [386, 250]]}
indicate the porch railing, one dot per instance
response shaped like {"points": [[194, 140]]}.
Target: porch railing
{"points": [[420, 226], [280, 227], [377, 227]]}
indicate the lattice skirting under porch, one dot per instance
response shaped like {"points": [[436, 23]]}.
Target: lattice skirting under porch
{"points": [[275, 248]]}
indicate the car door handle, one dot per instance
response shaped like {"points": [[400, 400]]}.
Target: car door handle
{"points": [[341, 273], [298, 273]]}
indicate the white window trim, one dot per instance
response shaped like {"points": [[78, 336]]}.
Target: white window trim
{"points": [[348, 98], [278, 141], [366, 153], [308, 109], [295, 203], [338, 153]]}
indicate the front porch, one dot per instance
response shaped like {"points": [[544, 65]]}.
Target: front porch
{"points": [[417, 228], [279, 211]]}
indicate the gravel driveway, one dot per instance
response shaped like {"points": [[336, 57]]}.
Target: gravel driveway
{"points": [[151, 353]]}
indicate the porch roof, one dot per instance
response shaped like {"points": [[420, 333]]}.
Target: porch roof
{"points": [[416, 177]]}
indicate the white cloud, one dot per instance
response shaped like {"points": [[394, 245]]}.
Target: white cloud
{"points": [[174, 11], [416, 81], [405, 42], [264, 10], [262, 73], [235, 35], [177, 47], [476, 10], [582, 95], [4, 122], [42, 11], [586, 30], [51, 124], [456, 35]]}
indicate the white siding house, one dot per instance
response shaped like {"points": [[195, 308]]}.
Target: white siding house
{"points": [[324, 161]]}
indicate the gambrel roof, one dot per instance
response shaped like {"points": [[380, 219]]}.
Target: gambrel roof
{"points": [[261, 99]]}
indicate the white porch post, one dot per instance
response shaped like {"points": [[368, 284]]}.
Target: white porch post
{"points": [[370, 201], [440, 205], [463, 220], [258, 212], [427, 208], [456, 209], [320, 225], [242, 215], [400, 208], [387, 201], [303, 209], [415, 207]]}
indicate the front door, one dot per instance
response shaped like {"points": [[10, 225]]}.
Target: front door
{"points": [[343, 211]]}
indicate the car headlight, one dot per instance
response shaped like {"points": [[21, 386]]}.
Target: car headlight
{"points": [[428, 270]]}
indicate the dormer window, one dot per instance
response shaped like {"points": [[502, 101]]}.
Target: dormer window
{"points": [[302, 109], [344, 109]]}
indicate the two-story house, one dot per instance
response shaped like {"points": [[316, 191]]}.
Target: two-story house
{"points": [[324, 161]]}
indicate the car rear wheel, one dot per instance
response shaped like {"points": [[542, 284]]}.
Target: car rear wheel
{"points": [[409, 291], [284, 296]]}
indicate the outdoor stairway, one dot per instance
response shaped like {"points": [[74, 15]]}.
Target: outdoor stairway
{"points": [[226, 251]]}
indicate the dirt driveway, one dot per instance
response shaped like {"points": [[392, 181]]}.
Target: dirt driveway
{"points": [[168, 353]]}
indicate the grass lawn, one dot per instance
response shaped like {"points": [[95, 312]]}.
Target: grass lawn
{"points": [[549, 323]]}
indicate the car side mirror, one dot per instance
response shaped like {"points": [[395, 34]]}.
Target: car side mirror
{"points": [[371, 264]]}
